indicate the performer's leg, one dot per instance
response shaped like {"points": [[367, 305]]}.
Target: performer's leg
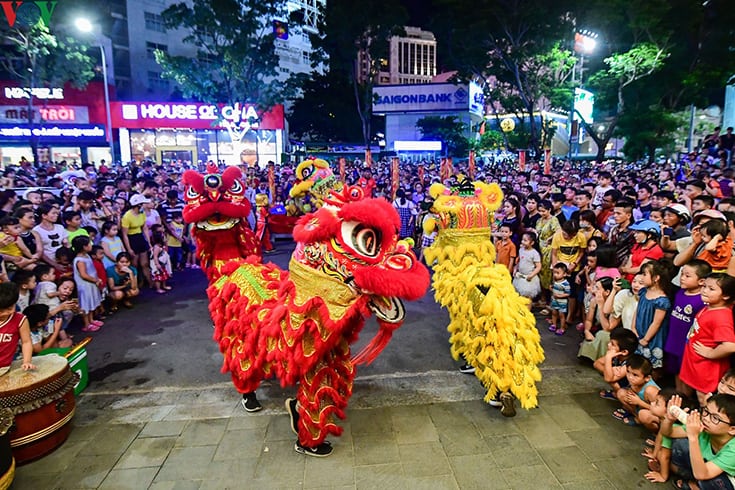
{"points": [[323, 392]]}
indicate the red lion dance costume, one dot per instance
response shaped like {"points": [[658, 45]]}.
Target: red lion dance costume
{"points": [[298, 325]]}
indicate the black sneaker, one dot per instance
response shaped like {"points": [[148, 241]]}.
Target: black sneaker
{"points": [[321, 451], [467, 369], [507, 400], [250, 402], [293, 414]]}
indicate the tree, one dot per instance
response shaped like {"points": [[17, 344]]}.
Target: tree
{"points": [[326, 111], [514, 45], [345, 32], [449, 130], [37, 58], [236, 59]]}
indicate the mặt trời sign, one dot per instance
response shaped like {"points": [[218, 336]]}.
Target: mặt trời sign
{"points": [[54, 133]]}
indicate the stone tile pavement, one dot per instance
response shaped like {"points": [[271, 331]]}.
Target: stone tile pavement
{"points": [[445, 437]]}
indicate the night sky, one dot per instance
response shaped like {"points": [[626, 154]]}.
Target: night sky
{"points": [[418, 11]]}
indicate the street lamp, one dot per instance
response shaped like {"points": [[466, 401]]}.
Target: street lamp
{"points": [[585, 43], [85, 26]]}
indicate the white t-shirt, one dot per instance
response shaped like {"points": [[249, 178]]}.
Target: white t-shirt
{"points": [[52, 239], [600, 193], [624, 306]]}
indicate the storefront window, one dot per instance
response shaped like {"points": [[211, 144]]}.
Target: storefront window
{"points": [[165, 137], [185, 137], [142, 144]]}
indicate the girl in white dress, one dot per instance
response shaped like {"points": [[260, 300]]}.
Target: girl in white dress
{"points": [[525, 276]]}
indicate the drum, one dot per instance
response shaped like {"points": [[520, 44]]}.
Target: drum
{"points": [[7, 463], [43, 404]]}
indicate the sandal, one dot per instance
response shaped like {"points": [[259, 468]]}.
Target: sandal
{"points": [[621, 413], [607, 394], [552, 328], [127, 304], [167, 288], [561, 331], [161, 291], [90, 328], [97, 323], [544, 311]]}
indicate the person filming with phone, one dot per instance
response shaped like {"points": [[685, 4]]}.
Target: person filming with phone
{"points": [[122, 281]]}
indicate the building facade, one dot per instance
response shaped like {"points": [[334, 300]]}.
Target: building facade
{"points": [[411, 60]]}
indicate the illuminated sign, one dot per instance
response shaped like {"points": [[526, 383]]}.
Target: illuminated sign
{"points": [[51, 133], [38, 92], [429, 97], [45, 9], [154, 115], [477, 100], [50, 113], [584, 104], [417, 145]]}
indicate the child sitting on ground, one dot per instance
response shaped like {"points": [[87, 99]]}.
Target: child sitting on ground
{"points": [[703, 451], [613, 365], [659, 456], [637, 398], [64, 257]]}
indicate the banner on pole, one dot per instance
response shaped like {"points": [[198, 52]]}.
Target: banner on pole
{"points": [[395, 177], [342, 169], [547, 161], [368, 157], [522, 160], [471, 169]]}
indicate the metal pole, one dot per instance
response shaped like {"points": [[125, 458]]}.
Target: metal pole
{"points": [[690, 140], [107, 105], [571, 110]]}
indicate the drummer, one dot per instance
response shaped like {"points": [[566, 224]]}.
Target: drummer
{"points": [[13, 327]]}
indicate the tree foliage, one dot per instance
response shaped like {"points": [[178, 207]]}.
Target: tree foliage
{"points": [[347, 30], [235, 44], [449, 130], [35, 57]]}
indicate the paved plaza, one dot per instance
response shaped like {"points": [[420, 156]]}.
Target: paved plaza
{"points": [[158, 414]]}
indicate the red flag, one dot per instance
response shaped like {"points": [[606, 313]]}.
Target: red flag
{"points": [[547, 161], [471, 169], [482, 128], [342, 169], [395, 177], [272, 181], [450, 167], [522, 160], [368, 157], [443, 170], [421, 173]]}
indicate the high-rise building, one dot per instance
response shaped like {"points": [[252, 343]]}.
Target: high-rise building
{"points": [[411, 59], [136, 29]]}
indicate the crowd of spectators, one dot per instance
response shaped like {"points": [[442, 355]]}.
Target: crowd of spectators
{"points": [[637, 259]]}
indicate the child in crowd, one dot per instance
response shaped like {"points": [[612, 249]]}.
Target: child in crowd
{"points": [[64, 257], [560, 291], [160, 260], [568, 246], [703, 451], [505, 248], [47, 293], [87, 282], [711, 339], [191, 247], [73, 225], [42, 336], [659, 456], [651, 316], [687, 303], [718, 249], [26, 281], [174, 240], [111, 243], [15, 252], [612, 365], [13, 328], [637, 397], [525, 278]]}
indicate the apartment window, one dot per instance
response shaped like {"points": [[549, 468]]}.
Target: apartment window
{"points": [[154, 22], [156, 83], [151, 47]]}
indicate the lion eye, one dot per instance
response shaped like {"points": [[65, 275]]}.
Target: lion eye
{"points": [[191, 193], [306, 172], [236, 187], [361, 238]]}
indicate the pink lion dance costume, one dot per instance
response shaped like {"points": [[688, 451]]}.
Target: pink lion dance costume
{"points": [[298, 324]]}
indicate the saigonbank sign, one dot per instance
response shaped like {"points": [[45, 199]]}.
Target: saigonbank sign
{"points": [[433, 97], [154, 115]]}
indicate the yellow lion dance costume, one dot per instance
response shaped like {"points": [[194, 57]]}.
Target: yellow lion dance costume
{"points": [[490, 324]]}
